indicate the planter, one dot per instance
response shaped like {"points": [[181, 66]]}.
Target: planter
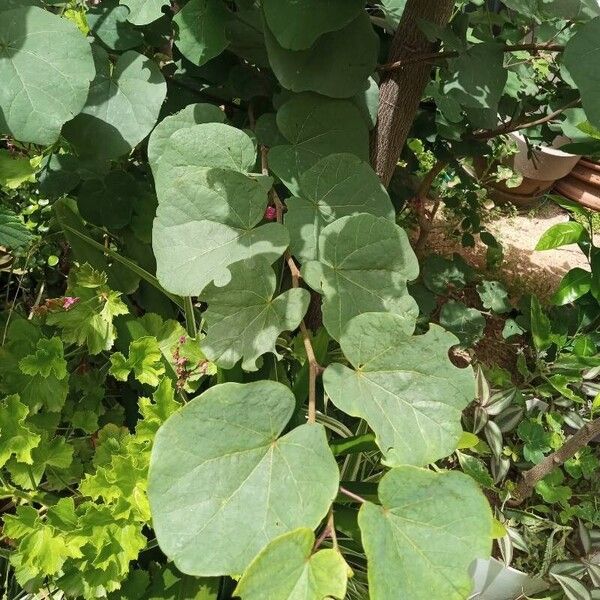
{"points": [[582, 185]]}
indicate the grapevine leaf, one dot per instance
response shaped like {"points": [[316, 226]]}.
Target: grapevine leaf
{"points": [[193, 114], [145, 360], [244, 319], [16, 439], [122, 106], [142, 12], [220, 472], [297, 25], [364, 265], [581, 58], [337, 186], [316, 127], [429, 528], [108, 22], [494, 296], [48, 358], [404, 386], [207, 221], [467, 324], [337, 65], [33, 41], [287, 569], [200, 30], [13, 233]]}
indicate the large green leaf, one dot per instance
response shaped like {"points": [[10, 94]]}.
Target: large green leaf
{"points": [[364, 264], [45, 68], [423, 538], [316, 127], [200, 30], [561, 234], [467, 324], [573, 285], [244, 319], [404, 386], [337, 65], [193, 114], [108, 22], [142, 12], [223, 484], [122, 106], [296, 24], [287, 569], [339, 185], [582, 59]]}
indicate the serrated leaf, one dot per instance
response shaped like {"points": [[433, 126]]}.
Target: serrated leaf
{"points": [[122, 106], [201, 30], [287, 569], [193, 114], [561, 234], [13, 233], [145, 360], [142, 12], [48, 358], [404, 386], [156, 411], [421, 542], [338, 64], [244, 319], [297, 24], [339, 185], [364, 265], [33, 41], [573, 285], [494, 296], [239, 481], [467, 324], [16, 439], [316, 127]]}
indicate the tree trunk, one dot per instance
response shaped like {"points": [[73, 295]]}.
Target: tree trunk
{"points": [[401, 89]]}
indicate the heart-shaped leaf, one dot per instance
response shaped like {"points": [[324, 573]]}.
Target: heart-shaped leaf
{"points": [[364, 265], [423, 538], [142, 12], [404, 386], [222, 479], [244, 319]]}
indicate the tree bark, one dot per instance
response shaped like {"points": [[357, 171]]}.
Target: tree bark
{"points": [[401, 90]]}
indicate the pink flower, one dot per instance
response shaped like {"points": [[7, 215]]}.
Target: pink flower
{"points": [[69, 301], [182, 339], [270, 213]]}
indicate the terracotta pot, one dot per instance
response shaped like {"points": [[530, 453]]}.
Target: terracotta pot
{"points": [[583, 184]]}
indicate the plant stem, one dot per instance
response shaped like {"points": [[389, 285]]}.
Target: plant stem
{"points": [[575, 443], [352, 495], [426, 220], [190, 317]]}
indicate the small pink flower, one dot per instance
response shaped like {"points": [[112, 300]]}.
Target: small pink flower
{"points": [[270, 213], [181, 361], [69, 301], [182, 339]]}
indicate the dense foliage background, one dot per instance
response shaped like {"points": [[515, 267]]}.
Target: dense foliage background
{"points": [[229, 364]]}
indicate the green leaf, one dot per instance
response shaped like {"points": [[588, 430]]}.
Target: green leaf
{"points": [[443, 274], [421, 542], [16, 439], [156, 411], [364, 265], [573, 589], [511, 327], [287, 569], [108, 202], [393, 9], [200, 30], [404, 386], [13, 233], [337, 65], [541, 331], [316, 127], [339, 185], [551, 491], [122, 106], [582, 59], [494, 296], [467, 324], [46, 67], [561, 234], [244, 319], [145, 360], [220, 472], [142, 12], [536, 440], [475, 468], [48, 358], [15, 170], [193, 114], [169, 584], [108, 22], [297, 24], [573, 285], [90, 320], [478, 76]]}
